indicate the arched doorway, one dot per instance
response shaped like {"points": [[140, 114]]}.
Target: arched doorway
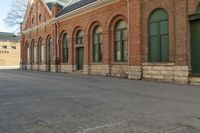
{"points": [[79, 50], [195, 41]]}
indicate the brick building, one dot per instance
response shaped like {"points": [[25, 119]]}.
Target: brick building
{"points": [[9, 50], [136, 39]]}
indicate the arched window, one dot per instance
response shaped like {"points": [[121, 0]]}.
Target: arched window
{"points": [[120, 37], [41, 44], [79, 38], [50, 50], [158, 36], [97, 40], [34, 53], [65, 48]]}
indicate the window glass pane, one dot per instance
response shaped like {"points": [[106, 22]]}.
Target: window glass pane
{"points": [[164, 27], [154, 49], [125, 50], [124, 34], [100, 38], [121, 25], [198, 9], [153, 29], [164, 48], [96, 39], [28, 55], [118, 36], [42, 53], [118, 51], [35, 54], [96, 53], [101, 51]]}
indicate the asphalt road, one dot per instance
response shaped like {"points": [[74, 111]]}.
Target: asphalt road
{"points": [[40, 102]]}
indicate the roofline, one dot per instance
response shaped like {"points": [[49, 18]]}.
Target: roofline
{"points": [[93, 6], [28, 10]]}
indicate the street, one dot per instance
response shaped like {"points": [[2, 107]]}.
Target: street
{"points": [[42, 102]]}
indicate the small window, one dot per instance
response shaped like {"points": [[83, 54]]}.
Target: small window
{"points": [[4, 47], [33, 21], [79, 38], [13, 47], [121, 48], [65, 48], [40, 17], [97, 37]]}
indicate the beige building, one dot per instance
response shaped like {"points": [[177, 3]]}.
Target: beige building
{"points": [[9, 50]]}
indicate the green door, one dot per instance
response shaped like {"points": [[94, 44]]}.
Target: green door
{"points": [[80, 58], [195, 46]]}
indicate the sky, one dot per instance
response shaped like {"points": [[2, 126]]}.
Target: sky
{"points": [[5, 6]]}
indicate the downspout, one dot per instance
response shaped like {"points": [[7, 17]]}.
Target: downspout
{"points": [[57, 46]]}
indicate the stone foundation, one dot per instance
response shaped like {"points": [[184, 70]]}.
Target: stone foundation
{"points": [[98, 69], [28, 67], [166, 72], [194, 80], [35, 67], [53, 68], [43, 68], [135, 72], [85, 69], [181, 74], [158, 71], [120, 71], [66, 68]]}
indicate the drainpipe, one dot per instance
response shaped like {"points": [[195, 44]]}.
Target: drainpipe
{"points": [[57, 45]]}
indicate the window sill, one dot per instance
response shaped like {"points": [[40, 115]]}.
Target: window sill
{"points": [[96, 63], [120, 63], [158, 64]]}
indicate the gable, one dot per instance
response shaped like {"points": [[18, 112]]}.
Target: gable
{"points": [[36, 13]]}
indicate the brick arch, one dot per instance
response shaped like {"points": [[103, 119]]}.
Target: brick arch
{"points": [[113, 19], [90, 29], [75, 30], [93, 23], [92, 26], [62, 33]]}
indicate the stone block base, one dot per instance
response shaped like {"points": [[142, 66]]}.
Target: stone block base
{"points": [[166, 72], [181, 74], [194, 80], [28, 67], [98, 69], [120, 71], [85, 69], [35, 67], [66, 68], [135, 72], [43, 68]]}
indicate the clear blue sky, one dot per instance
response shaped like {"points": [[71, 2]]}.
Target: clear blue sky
{"points": [[5, 7]]}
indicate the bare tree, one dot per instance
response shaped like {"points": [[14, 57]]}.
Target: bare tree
{"points": [[16, 15]]}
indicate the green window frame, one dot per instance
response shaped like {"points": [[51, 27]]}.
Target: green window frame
{"points": [[79, 38], [198, 8], [158, 36], [34, 53], [97, 47], [65, 48], [120, 42]]}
